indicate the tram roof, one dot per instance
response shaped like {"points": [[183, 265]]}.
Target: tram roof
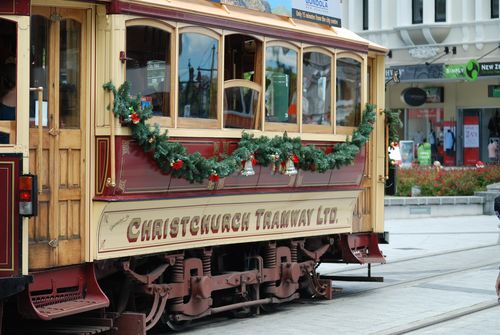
{"points": [[210, 13]]}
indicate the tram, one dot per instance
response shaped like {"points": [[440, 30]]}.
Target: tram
{"points": [[165, 160]]}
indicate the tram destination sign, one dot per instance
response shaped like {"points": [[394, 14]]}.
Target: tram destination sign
{"points": [[327, 12]]}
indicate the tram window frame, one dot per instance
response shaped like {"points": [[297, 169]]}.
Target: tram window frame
{"points": [[347, 130], [255, 83], [283, 126], [8, 126], [193, 122], [311, 127], [163, 121]]}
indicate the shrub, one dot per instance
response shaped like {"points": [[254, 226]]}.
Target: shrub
{"points": [[446, 181]]}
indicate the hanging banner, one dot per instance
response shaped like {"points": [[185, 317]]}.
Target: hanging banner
{"points": [[328, 12]]}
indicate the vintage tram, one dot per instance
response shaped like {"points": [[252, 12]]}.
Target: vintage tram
{"points": [[273, 161]]}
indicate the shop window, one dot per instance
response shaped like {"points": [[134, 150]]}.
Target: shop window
{"points": [[440, 11], [348, 99], [417, 10], [8, 82], [494, 9], [316, 88], [281, 84], [198, 75], [242, 86], [148, 67]]}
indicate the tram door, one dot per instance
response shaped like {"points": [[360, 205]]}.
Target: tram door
{"points": [[58, 55]]}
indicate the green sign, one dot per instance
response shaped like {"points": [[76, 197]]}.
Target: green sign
{"points": [[453, 71], [471, 70]]}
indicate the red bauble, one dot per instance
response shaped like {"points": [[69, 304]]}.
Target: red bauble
{"points": [[177, 165], [134, 117]]}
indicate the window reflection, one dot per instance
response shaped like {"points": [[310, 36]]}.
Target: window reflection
{"points": [[39, 62], [316, 88], [198, 76], [348, 92], [148, 67], [240, 107], [281, 84], [69, 74]]}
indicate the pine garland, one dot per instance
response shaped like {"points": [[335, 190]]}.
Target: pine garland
{"points": [[394, 124], [173, 158]]}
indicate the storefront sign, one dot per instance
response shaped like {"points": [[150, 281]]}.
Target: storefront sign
{"points": [[416, 72], [471, 139], [328, 12], [453, 71], [414, 96], [471, 70], [493, 91]]}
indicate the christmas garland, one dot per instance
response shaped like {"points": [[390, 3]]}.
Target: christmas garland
{"points": [[394, 124], [281, 152]]}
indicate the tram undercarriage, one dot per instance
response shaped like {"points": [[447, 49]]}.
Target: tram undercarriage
{"points": [[177, 288]]}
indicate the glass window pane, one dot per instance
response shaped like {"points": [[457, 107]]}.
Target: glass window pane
{"points": [[348, 92], [316, 87], [281, 84], [240, 108], [494, 9], [69, 74], [148, 67], [8, 80], [417, 11], [39, 70], [440, 11], [198, 76]]}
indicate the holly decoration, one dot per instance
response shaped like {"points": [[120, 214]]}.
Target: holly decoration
{"points": [[173, 158]]}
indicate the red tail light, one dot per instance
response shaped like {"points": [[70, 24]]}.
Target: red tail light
{"points": [[28, 200]]}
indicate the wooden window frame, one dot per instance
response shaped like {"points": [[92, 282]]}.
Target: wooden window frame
{"points": [[162, 121], [317, 128], [363, 63], [281, 126], [184, 122]]}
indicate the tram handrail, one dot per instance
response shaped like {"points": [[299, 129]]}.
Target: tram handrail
{"points": [[111, 181], [39, 148]]}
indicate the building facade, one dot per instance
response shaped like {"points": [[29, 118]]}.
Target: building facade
{"points": [[442, 71]]}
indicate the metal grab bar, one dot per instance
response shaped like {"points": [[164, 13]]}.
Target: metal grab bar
{"points": [[111, 182], [39, 149]]}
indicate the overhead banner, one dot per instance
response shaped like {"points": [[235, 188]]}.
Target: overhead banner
{"points": [[328, 12]]}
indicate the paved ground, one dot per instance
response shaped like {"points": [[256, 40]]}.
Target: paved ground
{"points": [[427, 279]]}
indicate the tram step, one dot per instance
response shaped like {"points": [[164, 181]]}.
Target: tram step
{"points": [[361, 248], [62, 292]]}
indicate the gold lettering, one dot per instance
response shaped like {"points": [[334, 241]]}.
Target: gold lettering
{"points": [[226, 222], [295, 217], [309, 216], [146, 230], [276, 220], [267, 220], [157, 228], [194, 226], [215, 223], [285, 219], [165, 229], [303, 218], [184, 223], [258, 215], [174, 227], [333, 216], [133, 230], [319, 219], [205, 224], [235, 222], [245, 221]]}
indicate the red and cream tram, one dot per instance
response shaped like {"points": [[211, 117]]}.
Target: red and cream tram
{"points": [[166, 160]]}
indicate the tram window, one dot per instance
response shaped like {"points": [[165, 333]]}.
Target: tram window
{"points": [[242, 55], [69, 74], [316, 88], [8, 80], [148, 67], [348, 92], [281, 84], [39, 67], [198, 76]]}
